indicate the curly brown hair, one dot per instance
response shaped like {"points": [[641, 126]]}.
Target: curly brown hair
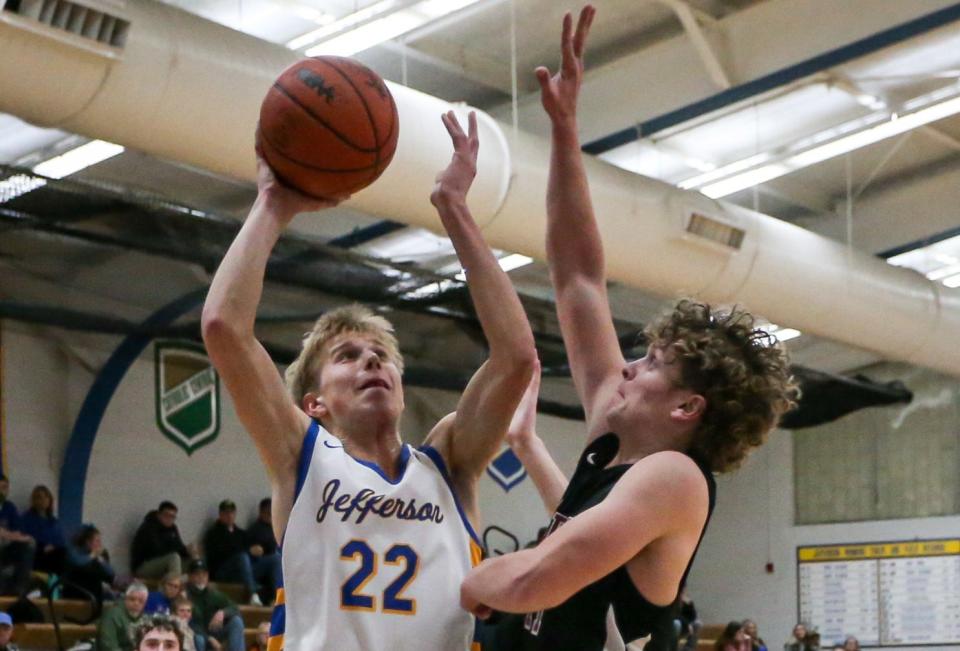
{"points": [[741, 370]]}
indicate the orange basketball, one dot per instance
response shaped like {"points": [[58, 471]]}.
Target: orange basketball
{"points": [[328, 126]]}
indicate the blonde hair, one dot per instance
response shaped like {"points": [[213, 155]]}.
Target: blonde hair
{"points": [[301, 375]]}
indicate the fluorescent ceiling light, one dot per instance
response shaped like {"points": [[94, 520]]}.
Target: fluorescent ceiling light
{"points": [[952, 281], [781, 334], [367, 36], [370, 26], [58, 167], [77, 159], [18, 185], [827, 144], [507, 263], [939, 261]]}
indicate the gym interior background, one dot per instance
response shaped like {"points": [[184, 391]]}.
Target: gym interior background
{"points": [[806, 157]]}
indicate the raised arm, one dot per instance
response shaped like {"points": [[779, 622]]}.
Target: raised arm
{"points": [[530, 449], [469, 440], [574, 248], [263, 405]]}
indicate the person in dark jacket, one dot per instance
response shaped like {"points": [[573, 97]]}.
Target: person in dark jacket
{"points": [[260, 531], [260, 534], [88, 566], [216, 620], [157, 548], [41, 524], [230, 556], [16, 548]]}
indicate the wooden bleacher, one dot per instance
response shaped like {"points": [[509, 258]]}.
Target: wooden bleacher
{"points": [[42, 637], [708, 636]]}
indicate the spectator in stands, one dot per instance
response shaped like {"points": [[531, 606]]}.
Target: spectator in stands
{"points": [[263, 637], [16, 547], [42, 525], [263, 551], [802, 640], [161, 601], [116, 628], [88, 566], [851, 644], [733, 638], [157, 548], [215, 618], [688, 624], [229, 554], [6, 632], [183, 610], [158, 633], [756, 642]]}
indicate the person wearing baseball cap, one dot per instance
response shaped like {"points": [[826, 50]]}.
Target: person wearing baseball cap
{"points": [[215, 617], [6, 632]]}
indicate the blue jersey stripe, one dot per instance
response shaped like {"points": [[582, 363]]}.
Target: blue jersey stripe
{"points": [[442, 467], [306, 454]]}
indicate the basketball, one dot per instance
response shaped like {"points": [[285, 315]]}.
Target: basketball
{"points": [[328, 126]]}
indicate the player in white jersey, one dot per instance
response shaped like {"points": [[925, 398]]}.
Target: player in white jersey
{"points": [[376, 536]]}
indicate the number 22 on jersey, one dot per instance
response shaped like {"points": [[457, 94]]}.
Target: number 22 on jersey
{"points": [[402, 556]]}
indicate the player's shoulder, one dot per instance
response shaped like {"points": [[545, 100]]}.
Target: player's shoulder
{"points": [[669, 475]]}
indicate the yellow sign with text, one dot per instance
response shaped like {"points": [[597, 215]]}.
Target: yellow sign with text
{"points": [[909, 548]]}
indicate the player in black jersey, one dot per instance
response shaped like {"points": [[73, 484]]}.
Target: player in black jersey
{"points": [[708, 390]]}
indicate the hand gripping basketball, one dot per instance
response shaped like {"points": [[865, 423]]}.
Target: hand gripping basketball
{"points": [[328, 126]]}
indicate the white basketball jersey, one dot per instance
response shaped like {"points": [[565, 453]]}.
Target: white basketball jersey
{"points": [[371, 564]]}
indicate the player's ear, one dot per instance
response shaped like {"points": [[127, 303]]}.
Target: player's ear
{"points": [[690, 409], [314, 406]]}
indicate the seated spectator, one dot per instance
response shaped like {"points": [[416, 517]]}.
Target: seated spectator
{"points": [[802, 640], [116, 628], [88, 566], [157, 549], [215, 618], [230, 557], [733, 638], [158, 633], [16, 547], [41, 524], [161, 602], [263, 637], [6, 632], [183, 610], [851, 644], [756, 642], [688, 624], [262, 546]]}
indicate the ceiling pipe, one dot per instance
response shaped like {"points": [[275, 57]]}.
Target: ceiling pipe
{"points": [[180, 87]]}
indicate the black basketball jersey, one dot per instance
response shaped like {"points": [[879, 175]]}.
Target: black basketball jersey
{"points": [[579, 624]]}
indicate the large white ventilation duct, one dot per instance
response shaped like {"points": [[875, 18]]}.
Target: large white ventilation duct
{"points": [[152, 77]]}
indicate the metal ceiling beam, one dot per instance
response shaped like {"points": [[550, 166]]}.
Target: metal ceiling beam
{"points": [[763, 40]]}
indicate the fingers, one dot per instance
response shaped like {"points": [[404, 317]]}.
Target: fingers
{"points": [[543, 76], [583, 28], [453, 126], [472, 125], [568, 60]]}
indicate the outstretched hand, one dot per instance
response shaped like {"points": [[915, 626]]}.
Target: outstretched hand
{"points": [[523, 426], [453, 183], [286, 200], [559, 92]]}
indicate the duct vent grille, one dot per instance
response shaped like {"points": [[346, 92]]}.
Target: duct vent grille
{"points": [[74, 18], [716, 231]]}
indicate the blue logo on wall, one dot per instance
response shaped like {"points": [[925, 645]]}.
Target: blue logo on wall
{"points": [[506, 470]]}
